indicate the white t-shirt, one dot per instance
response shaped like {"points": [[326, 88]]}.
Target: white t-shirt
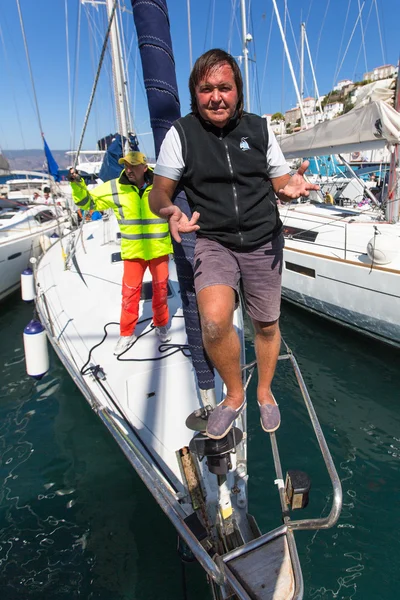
{"points": [[170, 161]]}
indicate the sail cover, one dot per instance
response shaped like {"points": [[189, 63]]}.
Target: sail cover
{"points": [[363, 128], [152, 26]]}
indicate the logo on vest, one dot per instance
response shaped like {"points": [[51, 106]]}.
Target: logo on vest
{"points": [[244, 145]]}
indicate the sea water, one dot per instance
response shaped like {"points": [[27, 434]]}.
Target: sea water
{"points": [[77, 522]]}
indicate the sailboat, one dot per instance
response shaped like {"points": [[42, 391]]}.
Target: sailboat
{"points": [[152, 399], [343, 262]]}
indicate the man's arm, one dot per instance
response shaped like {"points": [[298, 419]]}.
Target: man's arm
{"points": [[161, 194], [288, 188], [160, 202]]}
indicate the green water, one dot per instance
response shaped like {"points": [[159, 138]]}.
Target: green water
{"points": [[76, 521]]}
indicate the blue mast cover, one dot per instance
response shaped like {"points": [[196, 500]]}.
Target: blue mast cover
{"points": [[154, 38], [51, 162]]}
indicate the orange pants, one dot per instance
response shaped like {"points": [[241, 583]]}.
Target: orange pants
{"points": [[134, 271]]}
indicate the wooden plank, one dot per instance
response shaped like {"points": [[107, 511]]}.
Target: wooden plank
{"points": [[266, 573]]}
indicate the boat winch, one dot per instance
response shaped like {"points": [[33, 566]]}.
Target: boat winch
{"points": [[217, 452]]}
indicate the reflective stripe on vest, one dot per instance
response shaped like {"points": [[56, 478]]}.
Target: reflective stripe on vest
{"points": [[144, 236], [142, 221], [115, 195], [86, 199]]}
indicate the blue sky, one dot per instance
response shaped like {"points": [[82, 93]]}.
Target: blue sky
{"points": [[215, 23]]}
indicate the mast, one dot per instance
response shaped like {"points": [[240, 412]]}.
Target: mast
{"points": [[302, 35], [119, 78], [299, 100], [246, 37]]}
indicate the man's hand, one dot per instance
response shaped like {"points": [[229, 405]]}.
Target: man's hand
{"points": [[297, 186], [178, 221]]}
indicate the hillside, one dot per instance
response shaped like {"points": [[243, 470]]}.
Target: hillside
{"points": [[33, 160]]}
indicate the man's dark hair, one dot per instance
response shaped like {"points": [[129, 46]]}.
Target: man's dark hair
{"points": [[208, 62]]}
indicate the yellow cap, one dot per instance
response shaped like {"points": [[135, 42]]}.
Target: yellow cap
{"points": [[133, 158]]}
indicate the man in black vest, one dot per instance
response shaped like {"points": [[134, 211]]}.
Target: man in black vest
{"points": [[232, 170]]}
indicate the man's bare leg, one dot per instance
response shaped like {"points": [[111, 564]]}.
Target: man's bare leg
{"points": [[216, 306], [267, 346]]}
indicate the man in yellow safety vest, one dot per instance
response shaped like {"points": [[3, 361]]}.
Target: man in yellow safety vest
{"points": [[145, 241]]}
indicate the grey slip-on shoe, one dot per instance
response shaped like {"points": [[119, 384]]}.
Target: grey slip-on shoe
{"points": [[221, 420], [270, 417]]}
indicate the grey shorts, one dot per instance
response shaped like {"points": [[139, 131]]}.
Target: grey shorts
{"points": [[257, 274]]}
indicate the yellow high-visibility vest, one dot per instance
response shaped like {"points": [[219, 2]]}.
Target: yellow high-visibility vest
{"points": [[143, 234]]}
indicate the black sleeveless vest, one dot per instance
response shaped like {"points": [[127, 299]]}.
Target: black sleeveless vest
{"points": [[225, 179]]}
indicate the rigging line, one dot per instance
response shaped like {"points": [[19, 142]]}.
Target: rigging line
{"points": [[362, 36], [92, 38], [341, 42], [380, 32], [10, 75], [233, 10], [283, 58], [76, 70], [361, 45], [296, 46], [256, 93], [212, 23], [29, 67], [207, 26], [189, 25], [351, 37], [267, 51], [68, 75], [309, 11], [320, 32], [103, 50]]}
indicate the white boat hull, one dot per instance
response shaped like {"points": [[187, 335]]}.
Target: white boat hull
{"points": [[334, 277], [15, 254]]}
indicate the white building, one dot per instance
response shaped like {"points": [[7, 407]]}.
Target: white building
{"points": [[341, 84], [278, 127], [381, 73], [333, 109], [314, 118], [308, 105]]}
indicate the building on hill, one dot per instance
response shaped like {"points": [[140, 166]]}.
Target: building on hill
{"points": [[342, 84], [292, 116], [333, 109], [381, 73]]}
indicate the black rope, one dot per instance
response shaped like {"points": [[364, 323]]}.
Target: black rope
{"points": [[163, 347]]}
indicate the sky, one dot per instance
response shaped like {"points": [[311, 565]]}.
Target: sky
{"points": [[64, 52]]}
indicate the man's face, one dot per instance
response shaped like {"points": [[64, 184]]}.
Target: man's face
{"points": [[135, 174], [217, 95]]}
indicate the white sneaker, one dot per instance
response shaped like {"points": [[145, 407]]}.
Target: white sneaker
{"points": [[163, 333], [124, 343]]}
